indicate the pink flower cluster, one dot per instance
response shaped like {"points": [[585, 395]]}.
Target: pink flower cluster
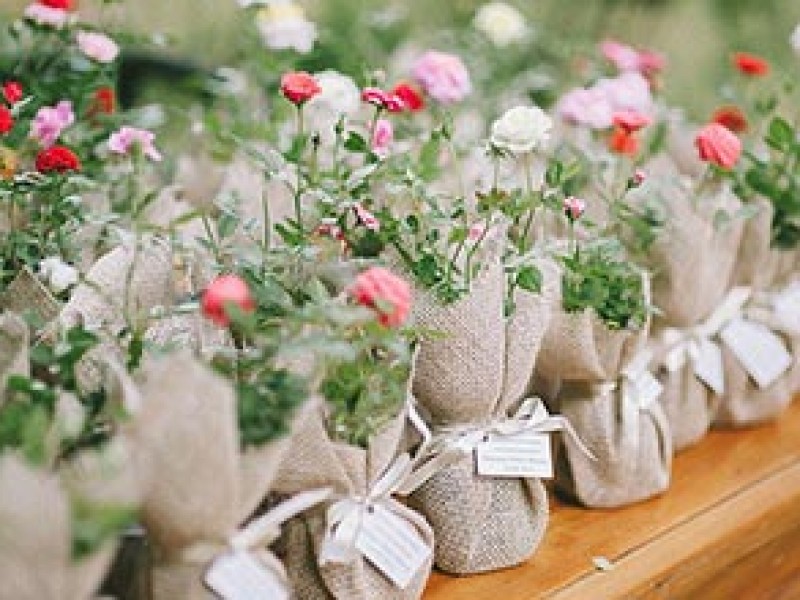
{"points": [[595, 106], [51, 121], [443, 77], [124, 140], [625, 58]]}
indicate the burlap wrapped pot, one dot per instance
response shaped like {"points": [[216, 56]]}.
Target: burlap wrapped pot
{"points": [[692, 259], [316, 461], [590, 373], [470, 376]]}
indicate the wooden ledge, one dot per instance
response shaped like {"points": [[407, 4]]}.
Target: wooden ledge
{"points": [[729, 527]]}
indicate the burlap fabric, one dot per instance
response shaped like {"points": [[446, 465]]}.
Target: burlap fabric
{"points": [[582, 372], [197, 493], [27, 295], [315, 461], [764, 270], [692, 260], [473, 373], [36, 528], [14, 341]]}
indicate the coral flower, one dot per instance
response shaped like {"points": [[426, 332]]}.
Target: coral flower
{"points": [[224, 291], [299, 87], [6, 120], [623, 142], [384, 292], [731, 117], [12, 92], [718, 145], [750, 64], [410, 96]]}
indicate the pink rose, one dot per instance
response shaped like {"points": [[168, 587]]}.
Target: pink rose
{"points": [[574, 208], [121, 142], [443, 76], [620, 55], [595, 107], [51, 121], [47, 16], [224, 291], [718, 145], [384, 292], [382, 137], [587, 107], [97, 46]]}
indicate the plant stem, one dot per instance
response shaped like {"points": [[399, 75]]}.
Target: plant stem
{"points": [[298, 192]]}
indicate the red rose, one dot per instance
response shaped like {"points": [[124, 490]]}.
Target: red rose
{"points": [[299, 87], [57, 158], [750, 64], [731, 117], [623, 142], [630, 120], [104, 102], [224, 291], [718, 145], [412, 99], [6, 120], [62, 4], [12, 92], [384, 292]]}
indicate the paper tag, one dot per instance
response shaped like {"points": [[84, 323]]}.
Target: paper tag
{"points": [[786, 304], [524, 455], [240, 576], [708, 366], [762, 353], [392, 545], [647, 388]]}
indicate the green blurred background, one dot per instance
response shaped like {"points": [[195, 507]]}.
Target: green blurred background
{"points": [[697, 35]]}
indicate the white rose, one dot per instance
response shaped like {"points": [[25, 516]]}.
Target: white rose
{"points": [[58, 275], [795, 40], [521, 129], [339, 97], [284, 26], [501, 23]]}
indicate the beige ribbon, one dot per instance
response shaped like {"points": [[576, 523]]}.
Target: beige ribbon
{"points": [[262, 531], [451, 444], [345, 517], [686, 345], [764, 308]]}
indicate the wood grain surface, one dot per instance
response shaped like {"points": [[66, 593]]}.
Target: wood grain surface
{"points": [[729, 527]]}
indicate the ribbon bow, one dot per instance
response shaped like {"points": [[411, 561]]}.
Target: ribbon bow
{"points": [[690, 344], [345, 517], [639, 387]]}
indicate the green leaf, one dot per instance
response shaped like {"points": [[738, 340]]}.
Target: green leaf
{"points": [[529, 278], [355, 142], [780, 134]]}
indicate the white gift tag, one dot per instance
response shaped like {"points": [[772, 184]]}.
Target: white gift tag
{"points": [[786, 304], [708, 366], [239, 576], [524, 455], [392, 545], [761, 352], [647, 388]]}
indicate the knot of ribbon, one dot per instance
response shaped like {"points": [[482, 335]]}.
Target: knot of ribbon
{"points": [[345, 516], [684, 345]]}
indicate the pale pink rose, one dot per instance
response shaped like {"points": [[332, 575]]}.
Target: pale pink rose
{"points": [[47, 16], [385, 292], [620, 55], [382, 137], [574, 208], [587, 107], [366, 218], [595, 107], [443, 76], [51, 121], [97, 46], [122, 141], [476, 232]]}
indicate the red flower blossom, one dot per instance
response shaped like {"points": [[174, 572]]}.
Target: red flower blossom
{"points": [[623, 142], [6, 120], [12, 92], [750, 64], [731, 117], [104, 102], [226, 290], [62, 4], [59, 159], [718, 145], [299, 87], [411, 97], [388, 100], [631, 120], [384, 292]]}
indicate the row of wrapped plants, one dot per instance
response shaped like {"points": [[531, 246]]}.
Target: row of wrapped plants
{"points": [[345, 335]]}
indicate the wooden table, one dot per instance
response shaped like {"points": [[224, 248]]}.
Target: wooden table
{"points": [[729, 527]]}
